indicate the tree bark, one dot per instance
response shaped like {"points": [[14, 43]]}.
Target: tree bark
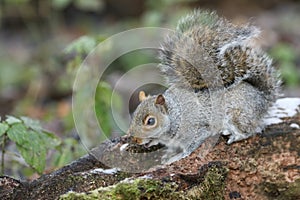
{"points": [[266, 166]]}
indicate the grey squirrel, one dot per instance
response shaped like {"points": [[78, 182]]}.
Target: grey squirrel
{"points": [[216, 77]]}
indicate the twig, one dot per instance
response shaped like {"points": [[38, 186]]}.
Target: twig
{"points": [[3, 153]]}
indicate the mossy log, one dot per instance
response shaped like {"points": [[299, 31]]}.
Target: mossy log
{"points": [[266, 166]]}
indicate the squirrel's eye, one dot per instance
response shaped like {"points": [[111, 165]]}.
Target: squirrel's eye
{"points": [[151, 121]]}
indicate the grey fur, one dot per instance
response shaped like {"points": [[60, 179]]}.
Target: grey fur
{"points": [[219, 83]]}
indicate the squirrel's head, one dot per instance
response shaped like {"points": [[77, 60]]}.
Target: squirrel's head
{"points": [[150, 120]]}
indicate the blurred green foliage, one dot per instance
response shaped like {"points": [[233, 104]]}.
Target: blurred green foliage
{"points": [[104, 102], [14, 75], [286, 57], [89, 5], [135, 58], [68, 151], [80, 48], [16, 1]]}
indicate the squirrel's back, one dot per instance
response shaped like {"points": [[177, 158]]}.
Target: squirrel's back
{"points": [[205, 47]]}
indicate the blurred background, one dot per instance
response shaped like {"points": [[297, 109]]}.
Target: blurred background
{"points": [[44, 41]]}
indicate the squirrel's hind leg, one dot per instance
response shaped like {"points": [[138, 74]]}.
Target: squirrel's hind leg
{"points": [[245, 107], [234, 134]]}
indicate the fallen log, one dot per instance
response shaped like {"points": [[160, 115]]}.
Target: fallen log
{"points": [[266, 166]]}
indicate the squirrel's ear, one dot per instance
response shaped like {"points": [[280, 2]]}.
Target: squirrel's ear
{"points": [[142, 96], [160, 99]]}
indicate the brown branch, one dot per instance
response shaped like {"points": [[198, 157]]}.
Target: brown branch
{"points": [[266, 166]]}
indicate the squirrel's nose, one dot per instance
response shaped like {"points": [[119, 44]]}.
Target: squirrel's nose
{"points": [[133, 138], [137, 140]]}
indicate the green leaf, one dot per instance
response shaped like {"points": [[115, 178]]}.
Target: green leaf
{"points": [[3, 128], [33, 124], [49, 139], [32, 145], [12, 120], [35, 157], [18, 133]]}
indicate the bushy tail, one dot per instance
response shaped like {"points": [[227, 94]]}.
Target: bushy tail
{"points": [[252, 65], [205, 47]]}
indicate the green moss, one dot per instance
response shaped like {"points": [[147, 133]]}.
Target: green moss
{"points": [[135, 189], [212, 187]]}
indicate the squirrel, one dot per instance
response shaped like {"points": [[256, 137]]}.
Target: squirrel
{"points": [[213, 71]]}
